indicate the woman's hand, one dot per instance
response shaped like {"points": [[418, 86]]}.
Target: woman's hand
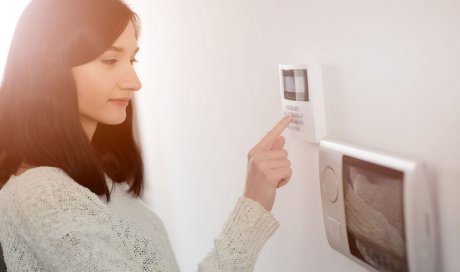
{"points": [[268, 166]]}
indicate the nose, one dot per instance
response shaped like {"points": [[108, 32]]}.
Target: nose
{"points": [[131, 81]]}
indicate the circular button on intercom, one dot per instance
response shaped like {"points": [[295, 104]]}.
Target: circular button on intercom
{"points": [[330, 186]]}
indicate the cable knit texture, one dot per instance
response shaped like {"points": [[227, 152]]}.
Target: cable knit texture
{"points": [[48, 222]]}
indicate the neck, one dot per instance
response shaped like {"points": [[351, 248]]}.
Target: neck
{"points": [[22, 168]]}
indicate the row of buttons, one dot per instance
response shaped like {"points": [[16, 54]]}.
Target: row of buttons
{"points": [[295, 128], [294, 114], [292, 107], [297, 120]]}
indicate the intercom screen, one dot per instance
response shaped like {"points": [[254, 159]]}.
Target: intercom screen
{"points": [[373, 198], [295, 84]]}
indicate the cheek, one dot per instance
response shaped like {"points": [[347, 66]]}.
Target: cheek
{"points": [[93, 88]]}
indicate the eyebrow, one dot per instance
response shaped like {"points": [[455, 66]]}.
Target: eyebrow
{"points": [[120, 49]]}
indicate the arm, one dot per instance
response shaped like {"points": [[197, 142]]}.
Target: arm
{"points": [[65, 225], [251, 224], [247, 229]]}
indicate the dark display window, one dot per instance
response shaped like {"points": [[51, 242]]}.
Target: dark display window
{"points": [[373, 198], [295, 84]]}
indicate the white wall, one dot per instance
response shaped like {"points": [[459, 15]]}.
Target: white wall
{"points": [[211, 91], [10, 11]]}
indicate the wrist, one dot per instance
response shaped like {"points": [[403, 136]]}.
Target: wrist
{"points": [[267, 205]]}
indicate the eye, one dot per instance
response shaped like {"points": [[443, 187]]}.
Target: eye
{"points": [[134, 61], [110, 61]]}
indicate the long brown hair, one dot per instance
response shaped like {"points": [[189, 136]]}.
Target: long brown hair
{"points": [[39, 116]]}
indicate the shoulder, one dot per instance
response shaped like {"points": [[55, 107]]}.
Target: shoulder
{"points": [[37, 174], [42, 178], [44, 185]]}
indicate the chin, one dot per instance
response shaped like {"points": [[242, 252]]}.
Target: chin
{"points": [[114, 121], [117, 122]]}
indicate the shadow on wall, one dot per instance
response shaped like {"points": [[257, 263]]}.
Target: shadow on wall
{"points": [[2, 262]]}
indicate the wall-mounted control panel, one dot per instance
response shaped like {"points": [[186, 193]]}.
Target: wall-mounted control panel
{"points": [[378, 209], [302, 96]]}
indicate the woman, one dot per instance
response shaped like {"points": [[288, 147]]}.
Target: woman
{"points": [[70, 167]]}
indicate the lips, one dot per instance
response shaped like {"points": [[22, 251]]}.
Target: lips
{"points": [[123, 101]]}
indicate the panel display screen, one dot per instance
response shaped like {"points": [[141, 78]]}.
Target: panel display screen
{"points": [[373, 197], [295, 84]]}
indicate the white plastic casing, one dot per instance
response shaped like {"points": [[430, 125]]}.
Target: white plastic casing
{"points": [[418, 204], [302, 95]]}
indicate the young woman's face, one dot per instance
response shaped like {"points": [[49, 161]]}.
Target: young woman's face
{"points": [[105, 82]]}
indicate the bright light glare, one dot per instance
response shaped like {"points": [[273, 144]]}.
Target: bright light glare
{"points": [[9, 16]]}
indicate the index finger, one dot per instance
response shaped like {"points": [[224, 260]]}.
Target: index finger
{"points": [[268, 140]]}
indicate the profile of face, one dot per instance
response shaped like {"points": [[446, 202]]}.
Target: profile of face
{"points": [[103, 83]]}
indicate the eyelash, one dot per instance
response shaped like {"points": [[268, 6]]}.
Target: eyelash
{"points": [[113, 61]]}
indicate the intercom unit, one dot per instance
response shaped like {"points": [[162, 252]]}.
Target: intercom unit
{"points": [[302, 96], [378, 209]]}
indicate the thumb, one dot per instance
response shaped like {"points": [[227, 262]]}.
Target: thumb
{"points": [[279, 143]]}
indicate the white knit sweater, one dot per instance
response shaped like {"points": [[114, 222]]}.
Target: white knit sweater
{"points": [[48, 222]]}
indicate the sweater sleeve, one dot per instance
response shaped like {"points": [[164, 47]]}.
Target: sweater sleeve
{"points": [[237, 247], [65, 225]]}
